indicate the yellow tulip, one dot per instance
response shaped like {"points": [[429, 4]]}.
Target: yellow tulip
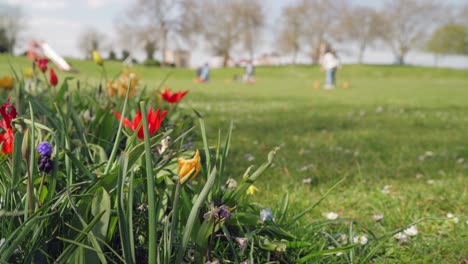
{"points": [[28, 73], [97, 58], [252, 190], [189, 168], [7, 82]]}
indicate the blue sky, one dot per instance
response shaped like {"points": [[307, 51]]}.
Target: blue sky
{"points": [[60, 22]]}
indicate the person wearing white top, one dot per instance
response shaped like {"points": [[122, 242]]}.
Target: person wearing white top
{"points": [[249, 73], [330, 63]]}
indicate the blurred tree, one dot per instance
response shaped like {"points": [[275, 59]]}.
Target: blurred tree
{"points": [[221, 25], [112, 55], [11, 25], [290, 32], [449, 39], [90, 39], [188, 27], [3, 41], [320, 20], [252, 15], [125, 54], [361, 25], [406, 23], [462, 15], [149, 24]]}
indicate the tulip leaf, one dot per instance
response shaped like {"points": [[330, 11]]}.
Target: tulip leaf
{"points": [[194, 214], [101, 203], [63, 89]]}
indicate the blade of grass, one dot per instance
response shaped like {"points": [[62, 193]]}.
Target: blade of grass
{"points": [[119, 132], [124, 228], [152, 221], [310, 208], [205, 146]]}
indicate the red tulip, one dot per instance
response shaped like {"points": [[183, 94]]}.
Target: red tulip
{"points": [[8, 112], [154, 122], [173, 98], [7, 141], [42, 64], [53, 78]]}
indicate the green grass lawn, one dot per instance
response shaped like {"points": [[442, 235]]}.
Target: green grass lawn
{"points": [[398, 135]]}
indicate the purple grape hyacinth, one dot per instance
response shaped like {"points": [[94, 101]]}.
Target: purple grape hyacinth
{"points": [[45, 149], [45, 164]]}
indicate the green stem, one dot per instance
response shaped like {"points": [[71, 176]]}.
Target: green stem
{"points": [[119, 132], [210, 240], [152, 224], [45, 80], [31, 162], [30, 192], [40, 188], [175, 208], [104, 72]]}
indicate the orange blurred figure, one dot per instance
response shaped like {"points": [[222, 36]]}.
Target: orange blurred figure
{"points": [[345, 85], [316, 85]]}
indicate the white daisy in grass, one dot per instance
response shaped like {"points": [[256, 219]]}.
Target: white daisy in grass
{"points": [[231, 183], [360, 239], [386, 189], [249, 157], [429, 153], [337, 254], [402, 237], [377, 217], [332, 216], [430, 181], [343, 239], [411, 231], [453, 218], [307, 181]]}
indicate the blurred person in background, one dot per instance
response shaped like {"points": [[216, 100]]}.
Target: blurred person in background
{"points": [[249, 73], [330, 64]]}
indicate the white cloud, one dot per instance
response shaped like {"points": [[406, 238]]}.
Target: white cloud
{"points": [[40, 4], [95, 4], [60, 33], [51, 23]]}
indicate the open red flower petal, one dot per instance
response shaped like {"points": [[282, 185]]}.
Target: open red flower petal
{"points": [[173, 98], [155, 119]]}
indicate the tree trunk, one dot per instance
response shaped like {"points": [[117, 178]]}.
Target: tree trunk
{"points": [[401, 56], [436, 60], [361, 53], [150, 48], [401, 59], [294, 57], [164, 46], [225, 58]]}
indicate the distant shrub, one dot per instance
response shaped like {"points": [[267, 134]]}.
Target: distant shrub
{"points": [[152, 63]]}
